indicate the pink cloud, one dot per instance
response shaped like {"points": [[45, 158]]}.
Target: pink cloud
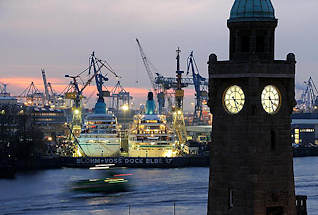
{"points": [[17, 84]]}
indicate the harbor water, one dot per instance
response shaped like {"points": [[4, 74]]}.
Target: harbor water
{"points": [[153, 191]]}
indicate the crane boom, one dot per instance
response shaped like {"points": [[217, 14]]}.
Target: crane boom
{"points": [[99, 78], [159, 93], [147, 66], [46, 90], [52, 92]]}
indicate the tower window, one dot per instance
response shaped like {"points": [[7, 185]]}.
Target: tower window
{"points": [[245, 44], [260, 44], [231, 204]]}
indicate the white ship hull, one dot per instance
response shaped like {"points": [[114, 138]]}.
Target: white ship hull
{"points": [[99, 147], [137, 149], [99, 137]]}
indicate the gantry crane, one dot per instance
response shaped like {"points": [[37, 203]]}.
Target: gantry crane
{"points": [[120, 98], [32, 96], [200, 89], [3, 90], [309, 97], [159, 93]]}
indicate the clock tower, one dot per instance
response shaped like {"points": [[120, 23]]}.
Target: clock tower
{"points": [[251, 97]]}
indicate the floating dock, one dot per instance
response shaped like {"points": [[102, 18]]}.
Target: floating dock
{"points": [[137, 162]]}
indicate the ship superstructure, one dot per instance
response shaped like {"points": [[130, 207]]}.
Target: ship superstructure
{"points": [[100, 134], [150, 135]]}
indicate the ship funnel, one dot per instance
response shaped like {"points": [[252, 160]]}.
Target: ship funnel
{"points": [[100, 107], [150, 105]]}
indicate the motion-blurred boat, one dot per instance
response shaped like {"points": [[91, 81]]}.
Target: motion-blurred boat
{"points": [[107, 185]]}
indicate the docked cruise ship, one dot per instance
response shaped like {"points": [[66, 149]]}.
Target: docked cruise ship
{"points": [[100, 134], [150, 135]]}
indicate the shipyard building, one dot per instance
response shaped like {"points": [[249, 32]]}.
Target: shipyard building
{"points": [[305, 129]]}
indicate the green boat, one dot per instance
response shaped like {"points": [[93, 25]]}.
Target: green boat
{"points": [[107, 185]]}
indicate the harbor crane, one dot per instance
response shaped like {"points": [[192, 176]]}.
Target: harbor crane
{"points": [[120, 98], [54, 97], [159, 93], [178, 118], [77, 96], [167, 83], [46, 88], [95, 67], [200, 89], [99, 77], [3, 90], [309, 97], [32, 96], [51, 97]]}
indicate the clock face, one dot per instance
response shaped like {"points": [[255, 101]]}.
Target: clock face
{"points": [[233, 99], [271, 99]]}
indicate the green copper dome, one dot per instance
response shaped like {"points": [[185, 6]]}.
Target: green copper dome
{"points": [[252, 10]]}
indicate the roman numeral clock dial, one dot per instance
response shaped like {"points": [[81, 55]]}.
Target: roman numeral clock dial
{"points": [[271, 99], [233, 99]]}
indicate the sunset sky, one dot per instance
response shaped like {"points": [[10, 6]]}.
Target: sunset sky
{"points": [[59, 36]]}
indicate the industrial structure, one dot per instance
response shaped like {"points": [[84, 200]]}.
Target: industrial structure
{"points": [[157, 90], [3, 90], [5, 97], [309, 97], [120, 99], [201, 92], [76, 92], [32, 96], [178, 118], [161, 86], [58, 112]]}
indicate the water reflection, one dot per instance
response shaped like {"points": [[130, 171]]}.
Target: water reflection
{"points": [[154, 191]]}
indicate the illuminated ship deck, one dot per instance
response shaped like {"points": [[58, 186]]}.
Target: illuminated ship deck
{"points": [[151, 137]]}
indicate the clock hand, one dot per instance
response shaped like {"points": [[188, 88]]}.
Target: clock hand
{"points": [[271, 102], [235, 102]]}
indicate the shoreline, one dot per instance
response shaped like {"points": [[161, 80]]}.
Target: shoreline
{"points": [[131, 162]]}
